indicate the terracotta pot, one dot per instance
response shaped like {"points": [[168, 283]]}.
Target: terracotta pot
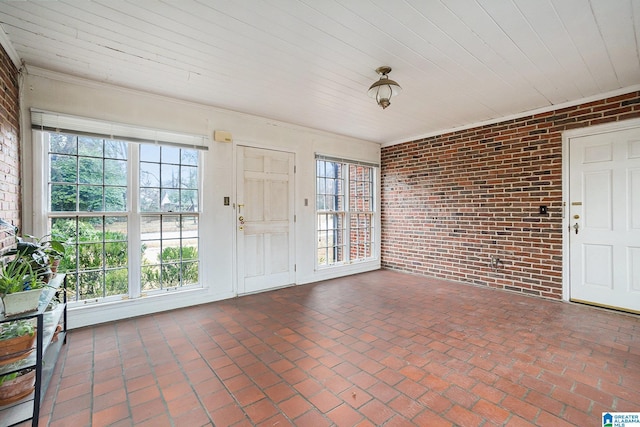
{"points": [[17, 388], [13, 349]]}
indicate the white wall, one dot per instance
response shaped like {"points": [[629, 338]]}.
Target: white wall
{"points": [[65, 94]]}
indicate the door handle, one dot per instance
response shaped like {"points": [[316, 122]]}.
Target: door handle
{"points": [[576, 227]]}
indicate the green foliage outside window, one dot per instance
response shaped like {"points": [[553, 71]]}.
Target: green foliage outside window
{"points": [[176, 268], [91, 175], [87, 174], [87, 251]]}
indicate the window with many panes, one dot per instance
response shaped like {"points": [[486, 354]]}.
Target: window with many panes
{"points": [[169, 222], [345, 211], [101, 189]]}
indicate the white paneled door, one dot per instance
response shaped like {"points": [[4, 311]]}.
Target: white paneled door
{"points": [[265, 219], [604, 219]]}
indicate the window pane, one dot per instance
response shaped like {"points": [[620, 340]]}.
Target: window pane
{"points": [[73, 292], [64, 229], [90, 256], [90, 171], [150, 279], [115, 199], [189, 201], [170, 250], [90, 229], [115, 229], [63, 143], [190, 252], [149, 174], [189, 177], [170, 226], [170, 155], [115, 149], [116, 282], [189, 157], [189, 226], [115, 172], [115, 254], [63, 168], [90, 285], [149, 199], [92, 147], [151, 252], [150, 226], [63, 198], [170, 275], [90, 198], [169, 176], [190, 273], [170, 201], [149, 153]]}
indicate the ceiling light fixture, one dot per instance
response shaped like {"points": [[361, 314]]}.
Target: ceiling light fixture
{"points": [[385, 88]]}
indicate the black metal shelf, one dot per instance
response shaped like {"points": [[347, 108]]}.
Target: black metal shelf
{"points": [[43, 360]]}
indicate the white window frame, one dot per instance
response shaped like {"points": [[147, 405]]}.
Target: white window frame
{"points": [[347, 212], [43, 122]]}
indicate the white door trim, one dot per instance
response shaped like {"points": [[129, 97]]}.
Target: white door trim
{"points": [[566, 137]]}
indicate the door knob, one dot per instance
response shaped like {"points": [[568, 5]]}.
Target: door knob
{"points": [[241, 218], [576, 227]]}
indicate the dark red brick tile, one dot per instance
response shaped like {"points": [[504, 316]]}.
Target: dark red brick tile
{"points": [[294, 406], [491, 412], [325, 401], [344, 415], [463, 417], [260, 411], [431, 419]]}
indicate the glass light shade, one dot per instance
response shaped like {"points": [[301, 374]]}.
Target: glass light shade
{"points": [[384, 89]]}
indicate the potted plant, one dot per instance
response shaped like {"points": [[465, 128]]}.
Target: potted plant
{"points": [[31, 253], [20, 287], [43, 253], [16, 340], [16, 385]]}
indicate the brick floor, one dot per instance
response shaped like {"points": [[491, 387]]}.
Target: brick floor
{"points": [[381, 348]]}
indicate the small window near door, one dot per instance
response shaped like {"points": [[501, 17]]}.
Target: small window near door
{"points": [[345, 212]]}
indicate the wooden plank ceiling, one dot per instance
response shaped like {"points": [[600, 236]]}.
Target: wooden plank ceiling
{"points": [[310, 62]]}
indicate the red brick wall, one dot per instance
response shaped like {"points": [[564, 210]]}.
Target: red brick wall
{"points": [[9, 145], [451, 202]]}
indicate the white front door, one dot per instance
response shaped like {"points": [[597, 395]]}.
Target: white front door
{"points": [[604, 219], [265, 219]]}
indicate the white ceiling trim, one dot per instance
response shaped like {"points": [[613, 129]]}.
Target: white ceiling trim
{"points": [[8, 47]]}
